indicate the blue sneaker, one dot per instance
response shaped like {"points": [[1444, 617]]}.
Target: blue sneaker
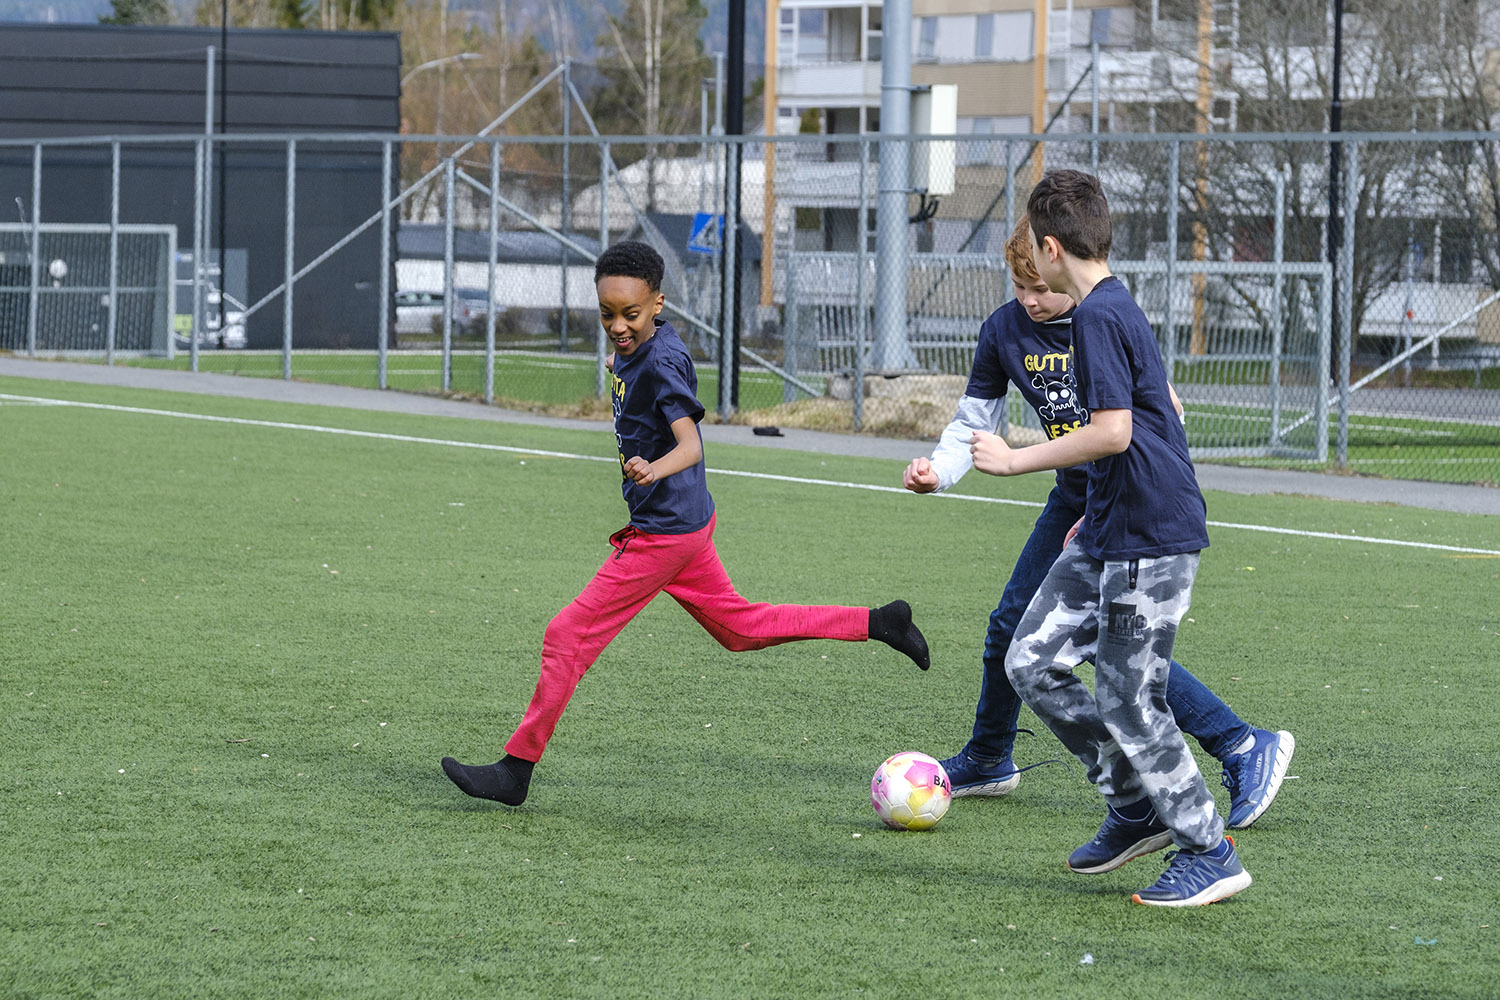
{"points": [[1254, 778], [1197, 879], [972, 775], [1120, 840]]}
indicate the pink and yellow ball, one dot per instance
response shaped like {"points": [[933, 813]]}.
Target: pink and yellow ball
{"points": [[910, 791]]}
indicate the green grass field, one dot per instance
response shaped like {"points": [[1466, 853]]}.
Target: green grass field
{"points": [[233, 653]]}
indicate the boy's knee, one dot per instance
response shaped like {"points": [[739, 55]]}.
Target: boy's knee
{"points": [[563, 628], [739, 643], [1020, 667]]}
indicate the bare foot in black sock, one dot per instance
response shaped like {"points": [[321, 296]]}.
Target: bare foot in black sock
{"points": [[892, 625], [506, 780]]}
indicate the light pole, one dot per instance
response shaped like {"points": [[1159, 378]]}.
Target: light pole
{"points": [[445, 60], [437, 125]]}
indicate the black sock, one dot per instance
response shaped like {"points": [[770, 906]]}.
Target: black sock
{"points": [[506, 780], [892, 625]]}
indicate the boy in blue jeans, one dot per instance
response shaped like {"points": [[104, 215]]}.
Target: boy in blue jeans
{"points": [[1123, 583], [1028, 343]]}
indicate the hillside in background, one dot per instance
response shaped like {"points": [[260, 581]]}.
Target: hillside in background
{"points": [[579, 28]]}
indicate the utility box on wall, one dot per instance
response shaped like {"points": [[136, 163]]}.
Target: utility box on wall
{"points": [[934, 111], [76, 80]]}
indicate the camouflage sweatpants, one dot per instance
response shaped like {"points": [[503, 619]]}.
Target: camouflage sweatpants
{"points": [[1123, 732]]}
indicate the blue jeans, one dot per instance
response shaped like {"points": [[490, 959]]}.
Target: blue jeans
{"points": [[1198, 711]]}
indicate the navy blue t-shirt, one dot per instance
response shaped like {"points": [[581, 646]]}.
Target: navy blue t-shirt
{"points": [[1038, 359], [649, 389], [1144, 502]]}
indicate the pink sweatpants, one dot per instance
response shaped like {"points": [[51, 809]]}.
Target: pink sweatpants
{"points": [[642, 566]]}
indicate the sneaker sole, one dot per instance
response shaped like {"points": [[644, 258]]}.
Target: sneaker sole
{"points": [[1002, 786], [1285, 745], [1222, 889], [1141, 848]]}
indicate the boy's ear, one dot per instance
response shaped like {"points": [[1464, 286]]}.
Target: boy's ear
{"points": [[1051, 249], [661, 300]]}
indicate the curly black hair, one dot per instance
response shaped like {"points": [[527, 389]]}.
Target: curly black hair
{"points": [[631, 259]]}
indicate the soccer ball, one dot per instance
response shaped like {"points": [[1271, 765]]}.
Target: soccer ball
{"points": [[910, 791]]}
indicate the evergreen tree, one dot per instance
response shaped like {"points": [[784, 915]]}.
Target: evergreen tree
{"points": [[291, 13], [138, 12]]}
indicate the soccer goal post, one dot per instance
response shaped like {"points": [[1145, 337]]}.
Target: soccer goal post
{"points": [[60, 295]]}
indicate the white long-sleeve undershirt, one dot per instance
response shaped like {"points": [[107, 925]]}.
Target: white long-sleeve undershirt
{"points": [[951, 459]]}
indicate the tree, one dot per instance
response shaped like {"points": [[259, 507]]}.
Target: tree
{"points": [[654, 59], [291, 13], [138, 12], [1270, 70], [1466, 176]]}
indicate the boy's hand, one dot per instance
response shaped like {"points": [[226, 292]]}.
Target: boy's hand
{"points": [[991, 453], [919, 477], [639, 471], [1068, 538]]}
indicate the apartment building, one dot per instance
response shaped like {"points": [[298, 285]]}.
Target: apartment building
{"points": [[827, 57]]}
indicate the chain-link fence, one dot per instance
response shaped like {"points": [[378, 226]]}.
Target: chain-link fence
{"points": [[1303, 324]]}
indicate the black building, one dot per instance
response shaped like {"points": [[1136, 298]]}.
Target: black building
{"points": [[100, 80]]}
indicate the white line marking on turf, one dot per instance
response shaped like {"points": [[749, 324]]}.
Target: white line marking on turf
{"points": [[511, 449]]}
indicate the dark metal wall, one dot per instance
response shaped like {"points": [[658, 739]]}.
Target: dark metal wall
{"points": [[86, 80]]}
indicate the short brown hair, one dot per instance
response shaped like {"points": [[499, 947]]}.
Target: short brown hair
{"points": [[1018, 254], [1069, 206]]}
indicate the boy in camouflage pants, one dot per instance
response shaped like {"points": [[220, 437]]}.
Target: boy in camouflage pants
{"points": [[1123, 582]]}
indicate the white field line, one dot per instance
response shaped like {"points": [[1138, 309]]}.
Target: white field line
{"points": [[510, 449]]}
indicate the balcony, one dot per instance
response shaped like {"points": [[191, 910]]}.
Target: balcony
{"points": [[828, 84]]}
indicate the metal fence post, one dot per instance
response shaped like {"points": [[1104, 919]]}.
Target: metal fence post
{"points": [[36, 248], [1346, 288], [1325, 349], [1278, 255], [114, 252], [382, 346], [789, 331], [447, 318], [563, 212], [1010, 210], [1168, 320], [1006, 291], [288, 266], [862, 325], [203, 212], [489, 293], [729, 304], [199, 169], [600, 348]]}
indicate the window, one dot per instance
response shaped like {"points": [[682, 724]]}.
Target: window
{"points": [[1458, 253], [1110, 27], [812, 34], [1004, 36], [927, 32], [1013, 36], [989, 153], [984, 36]]}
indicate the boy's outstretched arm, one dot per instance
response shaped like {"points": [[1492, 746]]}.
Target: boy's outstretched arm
{"points": [[951, 458], [686, 454], [1107, 433]]}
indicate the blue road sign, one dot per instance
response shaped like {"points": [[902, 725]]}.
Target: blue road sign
{"points": [[708, 231]]}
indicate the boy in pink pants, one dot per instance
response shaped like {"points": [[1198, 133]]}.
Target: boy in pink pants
{"points": [[668, 544]]}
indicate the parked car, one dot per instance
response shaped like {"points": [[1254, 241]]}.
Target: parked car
{"points": [[422, 312], [231, 338]]}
